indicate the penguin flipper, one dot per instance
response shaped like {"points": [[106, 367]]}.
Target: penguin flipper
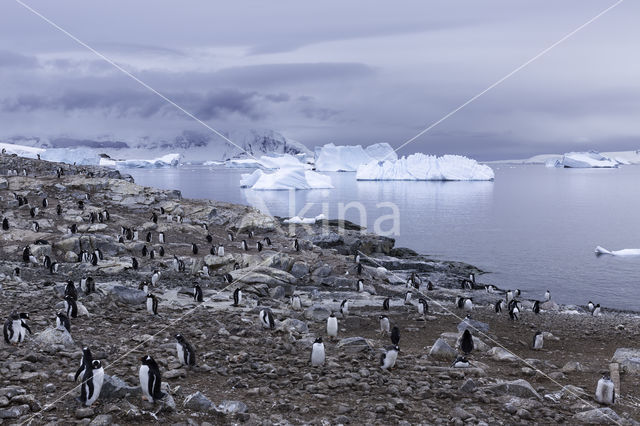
{"points": [[80, 370], [24, 324], [8, 332], [382, 357]]}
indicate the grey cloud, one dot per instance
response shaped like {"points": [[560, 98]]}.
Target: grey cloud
{"points": [[17, 60]]}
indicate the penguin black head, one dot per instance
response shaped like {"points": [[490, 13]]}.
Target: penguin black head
{"points": [[332, 315], [24, 315], [209, 238], [96, 364], [318, 340], [179, 337]]}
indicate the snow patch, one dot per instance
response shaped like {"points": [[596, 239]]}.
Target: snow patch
{"points": [[426, 167], [305, 220]]}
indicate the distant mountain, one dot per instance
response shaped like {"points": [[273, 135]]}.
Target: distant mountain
{"points": [[194, 146]]}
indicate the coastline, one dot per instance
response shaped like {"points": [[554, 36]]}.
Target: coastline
{"points": [[323, 273]]}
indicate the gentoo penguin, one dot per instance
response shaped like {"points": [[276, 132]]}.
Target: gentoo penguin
{"points": [[388, 357], [499, 306], [266, 319], [59, 210], [161, 251], [490, 288], [517, 292], [356, 258], [423, 306], [91, 383], [178, 264], [228, 278], [547, 295], [332, 326], [407, 298], [34, 211], [16, 274], [5, 224], [152, 254], [359, 269], [53, 269], [244, 245], [81, 205], [197, 293], [186, 353], [472, 278], [35, 226], [296, 245], [62, 322], [384, 324], [154, 217], [296, 303], [135, 235], [538, 340], [386, 303], [229, 236], [15, 328], [360, 286], [144, 286], [237, 297], [209, 238], [26, 254], [596, 311], [155, 277], [536, 307], [606, 391], [514, 311], [590, 306], [509, 296], [88, 285], [161, 237], [46, 262], [468, 304], [150, 379], [317, 353], [152, 304], [466, 342], [194, 248], [395, 335], [70, 307], [259, 246], [134, 263], [344, 307], [429, 285], [220, 250], [144, 250], [460, 362], [250, 233], [148, 237], [267, 241], [86, 359]]}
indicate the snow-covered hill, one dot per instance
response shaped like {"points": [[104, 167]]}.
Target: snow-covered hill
{"points": [[196, 147]]}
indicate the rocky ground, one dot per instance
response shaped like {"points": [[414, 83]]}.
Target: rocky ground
{"points": [[248, 374]]}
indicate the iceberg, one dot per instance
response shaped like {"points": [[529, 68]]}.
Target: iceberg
{"points": [[623, 252], [81, 156], [286, 178], [347, 158], [169, 160], [591, 159], [426, 167], [265, 162]]}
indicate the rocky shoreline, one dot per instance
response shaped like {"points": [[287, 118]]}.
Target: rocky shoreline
{"points": [[248, 374]]}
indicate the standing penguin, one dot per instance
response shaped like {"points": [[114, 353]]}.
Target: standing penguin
{"points": [[85, 361], [468, 304], [384, 324], [389, 357], [296, 245], [150, 379], [332, 326], [296, 303], [62, 322], [606, 391], [547, 296], [536, 307], [91, 383], [186, 353], [134, 263], [266, 319], [360, 286], [317, 353], [509, 295], [344, 307], [161, 251], [5, 224], [423, 306], [259, 246], [514, 311], [244, 245], [70, 290], [194, 248], [386, 303], [538, 340], [395, 335], [228, 278], [152, 304], [71, 307], [197, 293], [237, 297], [15, 328], [161, 237], [596, 311], [590, 306], [466, 342], [407, 298], [499, 306], [155, 277]]}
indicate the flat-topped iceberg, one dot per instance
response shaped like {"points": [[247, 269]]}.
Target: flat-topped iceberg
{"points": [[169, 160], [285, 178], [267, 162], [591, 159], [425, 167], [347, 158]]}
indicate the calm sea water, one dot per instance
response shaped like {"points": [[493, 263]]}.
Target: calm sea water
{"points": [[533, 228]]}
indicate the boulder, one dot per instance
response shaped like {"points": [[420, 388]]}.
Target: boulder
{"points": [[598, 416], [299, 269], [629, 359], [500, 354], [263, 275], [322, 271], [441, 350], [295, 325], [198, 402], [127, 295], [520, 388], [115, 387], [354, 344], [230, 407], [54, 336], [317, 313], [219, 262], [473, 325]]}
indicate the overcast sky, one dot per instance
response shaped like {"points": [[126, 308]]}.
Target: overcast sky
{"points": [[348, 72]]}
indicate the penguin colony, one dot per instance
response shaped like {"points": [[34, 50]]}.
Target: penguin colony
{"points": [[91, 372]]}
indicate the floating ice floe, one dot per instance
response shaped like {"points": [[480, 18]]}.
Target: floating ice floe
{"points": [[168, 160], [591, 159], [285, 178], [347, 158], [426, 167], [305, 220], [623, 252]]}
